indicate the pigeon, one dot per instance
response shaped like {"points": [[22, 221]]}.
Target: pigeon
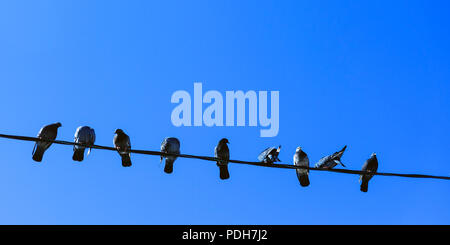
{"points": [[301, 159], [222, 152], [48, 132], [270, 155], [170, 145], [83, 135], [123, 146], [332, 160], [371, 165]]}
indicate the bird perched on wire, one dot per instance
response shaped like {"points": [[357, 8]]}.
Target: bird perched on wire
{"points": [[123, 146], [301, 159], [48, 132], [222, 152], [170, 145], [270, 155], [332, 160], [371, 165], [83, 135]]}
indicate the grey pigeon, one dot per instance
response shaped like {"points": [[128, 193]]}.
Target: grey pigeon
{"points": [[123, 146], [270, 155], [332, 160], [83, 135], [48, 132], [301, 159], [170, 145], [371, 165], [222, 152]]}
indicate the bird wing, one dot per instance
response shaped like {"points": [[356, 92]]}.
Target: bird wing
{"points": [[46, 132], [92, 139], [226, 153], [122, 143], [115, 140], [322, 161], [127, 143], [174, 146], [93, 136], [370, 165], [164, 145], [265, 153]]}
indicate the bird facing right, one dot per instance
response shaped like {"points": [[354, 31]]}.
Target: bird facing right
{"points": [[48, 132], [332, 160], [270, 155], [371, 165], [222, 152]]}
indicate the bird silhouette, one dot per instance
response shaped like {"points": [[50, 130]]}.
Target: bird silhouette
{"points": [[83, 135], [48, 132], [301, 159], [170, 145], [123, 146], [222, 152], [270, 155], [371, 165], [332, 160]]}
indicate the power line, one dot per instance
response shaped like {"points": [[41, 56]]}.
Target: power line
{"points": [[207, 158]]}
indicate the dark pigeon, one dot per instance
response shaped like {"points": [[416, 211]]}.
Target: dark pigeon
{"points": [[222, 152], [301, 159], [170, 145], [83, 135], [48, 132], [371, 165], [332, 160], [123, 146], [270, 155]]}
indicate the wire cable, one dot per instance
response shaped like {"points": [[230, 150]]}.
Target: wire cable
{"points": [[207, 158]]}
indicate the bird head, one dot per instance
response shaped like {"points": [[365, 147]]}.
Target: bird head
{"points": [[58, 124], [298, 148], [373, 155], [224, 141], [119, 131]]}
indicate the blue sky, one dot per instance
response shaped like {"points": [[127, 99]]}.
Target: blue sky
{"points": [[370, 75]]}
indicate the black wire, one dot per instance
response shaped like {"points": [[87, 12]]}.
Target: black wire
{"points": [[261, 164]]}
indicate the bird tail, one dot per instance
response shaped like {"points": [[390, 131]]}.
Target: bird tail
{"points": [[304, 180], [168, 168], [78, 154], [364, 186], [126, 160], [38, 152], [224, 174]]}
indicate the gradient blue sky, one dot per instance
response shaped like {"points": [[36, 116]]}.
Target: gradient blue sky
{"points": [[370, 74]]}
